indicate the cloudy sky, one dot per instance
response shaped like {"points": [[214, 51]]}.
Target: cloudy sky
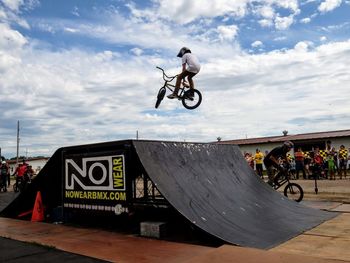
{"points": [[84, 71]]}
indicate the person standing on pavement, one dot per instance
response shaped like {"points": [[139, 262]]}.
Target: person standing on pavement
{"points": [[299, 163], [343, 159], [259, 157]]}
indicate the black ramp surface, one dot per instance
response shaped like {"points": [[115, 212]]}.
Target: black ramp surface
{"points": [[214, 188]]}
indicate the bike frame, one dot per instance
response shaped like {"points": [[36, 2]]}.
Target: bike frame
{"points": [[170, 86], [283, 179]]}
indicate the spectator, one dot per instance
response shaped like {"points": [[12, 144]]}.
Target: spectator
{"points": [[307, 163], [29, 173], [343, 159], [250, 160], [259, 157], [4, 170], [331, 164], [299, 163], [335, 155], [317, 163], [292, 167]]}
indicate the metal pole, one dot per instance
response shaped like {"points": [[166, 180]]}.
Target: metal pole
{"points": [[17, 143]]}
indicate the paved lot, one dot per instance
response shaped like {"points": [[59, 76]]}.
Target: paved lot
{"points": [[17, 251], [327, 243], [328, 190]]}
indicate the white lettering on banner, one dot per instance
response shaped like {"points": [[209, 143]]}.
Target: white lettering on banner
{"points": [[96, 173]]}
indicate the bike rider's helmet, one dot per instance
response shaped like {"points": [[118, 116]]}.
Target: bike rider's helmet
{"points": [[183, 51], [288, 144]]}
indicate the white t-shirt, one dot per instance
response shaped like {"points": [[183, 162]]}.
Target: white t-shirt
{"points": [[192, 62]]}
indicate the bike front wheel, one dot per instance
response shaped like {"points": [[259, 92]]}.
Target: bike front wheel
{"points": [[294, 192], [160, 96], [191, 99]]}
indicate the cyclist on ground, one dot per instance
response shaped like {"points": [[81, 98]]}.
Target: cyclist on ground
{"points": [[190, 68], [272, 161], [20, 171]]}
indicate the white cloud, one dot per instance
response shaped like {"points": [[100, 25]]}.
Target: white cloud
{"points": [[329, 5], [257, 43], [74, 96], [14, 5], [288, 4], [10, 39], [265, 22], [227, 32], [137, 51], [323, 39], [66, 29], [305, 20], [75, 11], [283, 23], [183, 11], [302, 46], [267, 12]]}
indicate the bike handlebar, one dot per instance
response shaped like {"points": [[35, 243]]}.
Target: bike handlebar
{"points": [[165, 75]]}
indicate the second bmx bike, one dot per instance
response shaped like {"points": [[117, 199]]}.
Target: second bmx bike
{"points": [[292, 190], [190, 98]]}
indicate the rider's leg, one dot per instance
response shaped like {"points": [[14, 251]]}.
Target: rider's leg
{"points": [[270, 174], [179, 78], [190, 80], [177, 85]]}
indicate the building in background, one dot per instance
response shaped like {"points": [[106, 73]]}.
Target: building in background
{"points": [[36, 163], [306, 141]]}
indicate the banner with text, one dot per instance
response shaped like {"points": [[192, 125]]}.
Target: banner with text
{"points": [[95, 183]]}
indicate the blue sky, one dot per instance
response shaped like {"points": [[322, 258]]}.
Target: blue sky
{"points": [[83, 71]]}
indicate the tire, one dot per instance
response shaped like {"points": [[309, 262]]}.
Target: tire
{"points": [[160, 96], [294, 192], [191, 103], [15, 188]]}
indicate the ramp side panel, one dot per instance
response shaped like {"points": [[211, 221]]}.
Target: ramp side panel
{"points": [[214, 188], [48, 182]]}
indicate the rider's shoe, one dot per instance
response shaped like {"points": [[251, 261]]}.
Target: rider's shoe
{"points": [[276, 182], [172, 96]]}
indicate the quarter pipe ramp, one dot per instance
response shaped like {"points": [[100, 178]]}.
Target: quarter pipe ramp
{"points": [[209, 184]]}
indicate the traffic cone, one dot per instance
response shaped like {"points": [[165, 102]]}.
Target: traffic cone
{"points": [[38, 210]]}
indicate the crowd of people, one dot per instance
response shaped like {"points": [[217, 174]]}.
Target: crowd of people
{"points": [[23, 172], [325, 164]]}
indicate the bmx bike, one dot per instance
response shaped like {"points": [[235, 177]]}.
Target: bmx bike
{"points": [[21, 184], [191, 98], [292, 190]]}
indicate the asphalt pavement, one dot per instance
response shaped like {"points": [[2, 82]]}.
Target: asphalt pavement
{"points": [[18, 251]]}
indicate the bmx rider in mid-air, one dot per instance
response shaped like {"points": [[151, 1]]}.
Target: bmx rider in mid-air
{"points": [[190, 68], [271, 160]]}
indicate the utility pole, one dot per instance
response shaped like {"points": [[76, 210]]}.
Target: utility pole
{"points": [[137, 134], [17, 143]]}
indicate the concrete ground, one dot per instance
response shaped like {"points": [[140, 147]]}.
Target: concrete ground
{"points": [[329, 242]]}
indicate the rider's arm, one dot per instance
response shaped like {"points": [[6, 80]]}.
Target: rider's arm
{"points": [[184, 67], [287, 160], [274, 160]]}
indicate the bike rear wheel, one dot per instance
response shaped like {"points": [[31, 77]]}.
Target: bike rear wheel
{"points": [[294, 192], [191, 102], [160, 96]]}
